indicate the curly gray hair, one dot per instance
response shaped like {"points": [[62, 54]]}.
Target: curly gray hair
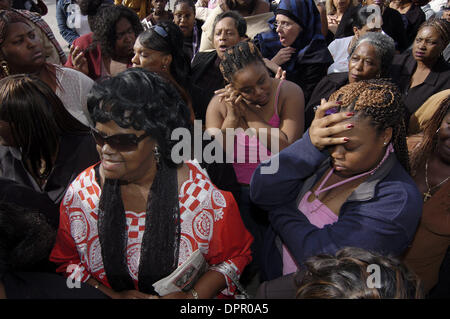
{"points": [[384, 47]]}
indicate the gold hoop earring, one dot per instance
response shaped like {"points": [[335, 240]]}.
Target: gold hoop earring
{"points": [[5, 67]]}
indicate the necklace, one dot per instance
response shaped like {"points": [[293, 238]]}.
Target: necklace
{"points": [[427, 194]]}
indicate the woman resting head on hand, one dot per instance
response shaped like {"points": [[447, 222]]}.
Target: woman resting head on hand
{"points": [[270, 109], [358, 130], [253, 99], [345, 183]]}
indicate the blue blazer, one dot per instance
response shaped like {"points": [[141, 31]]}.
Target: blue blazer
{"points": [[381, 215]]}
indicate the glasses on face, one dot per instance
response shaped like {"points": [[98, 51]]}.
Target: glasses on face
{"points": [[282, 25], [160, 30], [447, 8], [119, 142], [419, 40]]}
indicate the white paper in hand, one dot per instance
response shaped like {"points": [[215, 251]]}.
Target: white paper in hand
{"points": [[184, 277]]}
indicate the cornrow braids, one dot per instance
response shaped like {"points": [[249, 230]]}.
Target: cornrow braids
{"points": [[381, 100], [238, 57], [428, 145], [441, 26]]}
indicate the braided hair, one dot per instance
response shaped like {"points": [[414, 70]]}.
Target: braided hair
{"points": [[380, 100], [142, 100], [238, 57], [429, 142]]}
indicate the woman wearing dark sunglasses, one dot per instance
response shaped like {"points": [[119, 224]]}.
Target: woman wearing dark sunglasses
{"points": [[130, 220], [160, 49], [42, 147]]}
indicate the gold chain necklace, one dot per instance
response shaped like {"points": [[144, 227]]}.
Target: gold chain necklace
{"points": [[427, 194]]}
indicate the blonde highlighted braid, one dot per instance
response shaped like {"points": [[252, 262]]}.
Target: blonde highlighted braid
{"points": [[380, 100], [430, 137]]}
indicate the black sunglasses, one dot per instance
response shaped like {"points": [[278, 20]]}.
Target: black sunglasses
{"points": [[119, 142]]}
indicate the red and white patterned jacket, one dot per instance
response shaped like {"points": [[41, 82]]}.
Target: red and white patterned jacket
{"points": [[210, 221]]}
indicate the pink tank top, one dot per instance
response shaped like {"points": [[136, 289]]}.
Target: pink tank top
{"points": [[318, 213], [249, 151]]}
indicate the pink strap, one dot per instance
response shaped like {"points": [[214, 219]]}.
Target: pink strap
{"points": [[319, 190], [276, 96]]}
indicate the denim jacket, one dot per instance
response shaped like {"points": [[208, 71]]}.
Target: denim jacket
{"points": [[69, 34], [381, 214]]}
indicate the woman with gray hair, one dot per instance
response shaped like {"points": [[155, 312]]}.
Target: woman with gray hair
{"points": [[369, 58], [364, 19]]}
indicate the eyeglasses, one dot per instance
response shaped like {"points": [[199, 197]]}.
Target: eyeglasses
{"points": [[119, 142], [282, 25], [160, 30], [446, 8]]}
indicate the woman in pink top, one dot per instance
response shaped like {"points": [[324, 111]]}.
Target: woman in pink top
{"points": [[255, 103]]}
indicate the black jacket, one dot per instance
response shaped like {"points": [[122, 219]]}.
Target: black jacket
{"points": [[404, 66], [76, 153], [205, 73]]}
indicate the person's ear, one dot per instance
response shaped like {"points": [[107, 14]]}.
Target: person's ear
{"points": [[166, 61], [387, 136]]}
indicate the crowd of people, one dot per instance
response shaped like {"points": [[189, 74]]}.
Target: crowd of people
{"points": [[315, 159]]}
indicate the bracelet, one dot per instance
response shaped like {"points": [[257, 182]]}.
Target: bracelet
{"points": [[194, 293]]}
